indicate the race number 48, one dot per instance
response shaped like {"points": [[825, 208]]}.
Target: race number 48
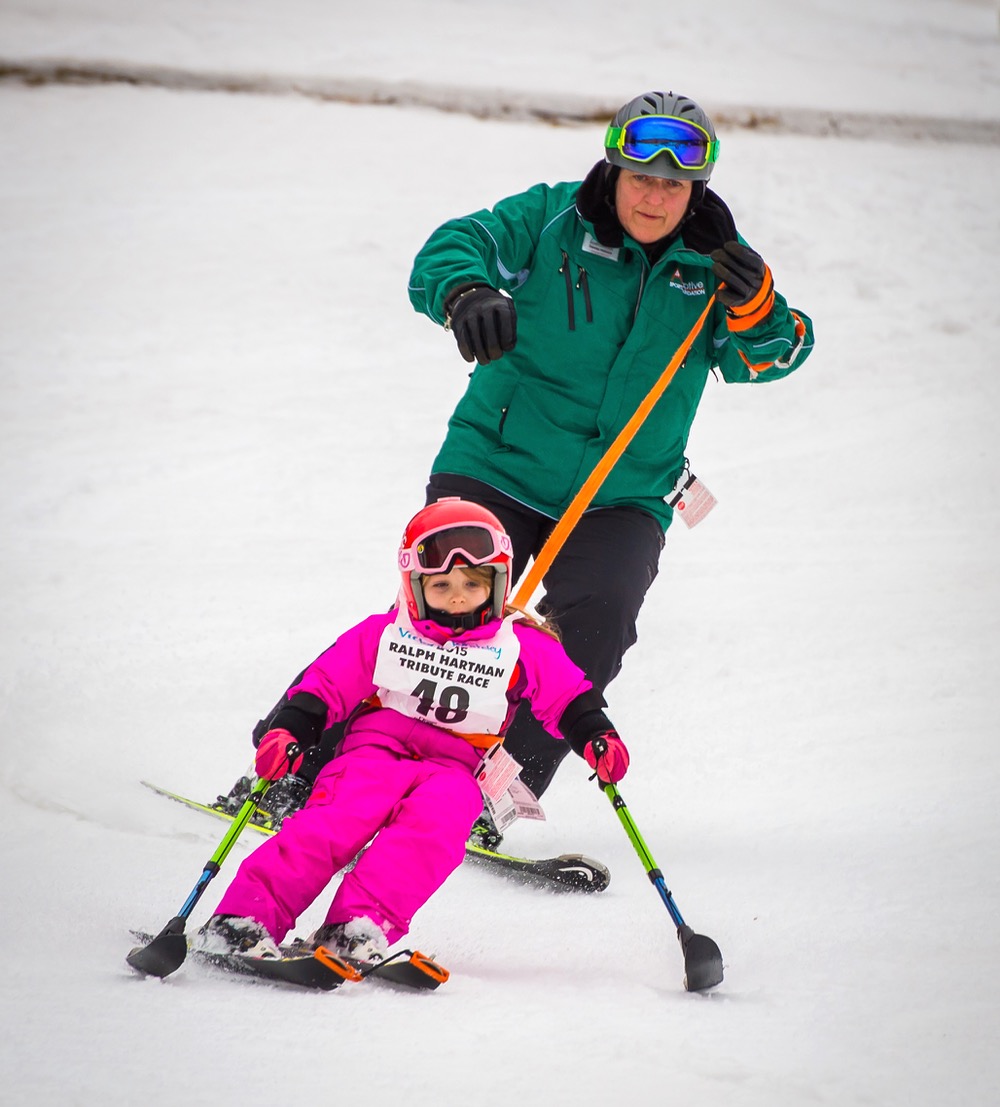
{"points": [[451, 706]]}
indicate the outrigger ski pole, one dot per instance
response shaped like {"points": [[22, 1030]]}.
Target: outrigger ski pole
{"points": [[166, 952], [702, 957]]}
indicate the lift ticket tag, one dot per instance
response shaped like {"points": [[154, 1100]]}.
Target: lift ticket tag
{"points": [[506, 798], [496, 772], [693, 502]]}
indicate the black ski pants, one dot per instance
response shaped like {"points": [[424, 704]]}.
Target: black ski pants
{"points": [[593, 592]]}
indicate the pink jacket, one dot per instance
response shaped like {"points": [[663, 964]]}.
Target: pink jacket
{"points": [[342, 678]]}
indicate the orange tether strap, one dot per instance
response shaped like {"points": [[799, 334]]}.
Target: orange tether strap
{"points": [[581, 501]]}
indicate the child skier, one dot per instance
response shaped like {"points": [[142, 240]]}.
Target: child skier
{"points": [[439, 678]]}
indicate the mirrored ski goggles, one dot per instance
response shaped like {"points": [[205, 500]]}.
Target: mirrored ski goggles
{"points": [[646, 136], [436, 552]]}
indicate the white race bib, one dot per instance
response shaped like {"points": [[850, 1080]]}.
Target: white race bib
{"points": [[459, 686]]}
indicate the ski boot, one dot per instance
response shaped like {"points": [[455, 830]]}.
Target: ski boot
{"points": [[357, 941], [226, 934], [234, 800], [484, 833], [284, 797]]}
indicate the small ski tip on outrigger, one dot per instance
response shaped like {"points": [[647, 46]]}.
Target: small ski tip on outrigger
{"points": [[164, 954], [702, 957], [702, 960]]}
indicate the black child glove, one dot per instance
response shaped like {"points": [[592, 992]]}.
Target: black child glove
{"points": [[484, 322], [749, 289]]}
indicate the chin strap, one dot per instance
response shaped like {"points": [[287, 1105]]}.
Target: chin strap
{"points": [[469, 621]]}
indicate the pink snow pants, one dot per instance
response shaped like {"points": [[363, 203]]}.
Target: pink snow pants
{"points": [[421, 811]]}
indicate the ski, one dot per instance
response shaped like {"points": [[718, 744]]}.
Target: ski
{"points": [[407, 968], [302, 969], [260, 821], [320, 969], [572, 872], [568, 872]]}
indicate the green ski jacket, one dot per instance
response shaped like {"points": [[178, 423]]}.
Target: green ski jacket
{"points": [[596, 326]]}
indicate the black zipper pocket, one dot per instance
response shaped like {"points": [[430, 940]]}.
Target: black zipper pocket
{"points": [[584, 285], [570, 306]]}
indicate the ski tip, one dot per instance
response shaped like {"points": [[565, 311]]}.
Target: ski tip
{"points": [[336, 964], [429, 967], [160, 958], [134, 959], [703, 978], [582, 873]]}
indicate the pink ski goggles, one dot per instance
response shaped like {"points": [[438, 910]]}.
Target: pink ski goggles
{"points": [[437, 551]]}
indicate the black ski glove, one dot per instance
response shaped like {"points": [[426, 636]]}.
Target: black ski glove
{"points": [[749, 289], [742, 269], [483, 320]]}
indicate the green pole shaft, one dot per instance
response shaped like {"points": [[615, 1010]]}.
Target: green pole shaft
{"points": [[214, 863], [654, 874]]}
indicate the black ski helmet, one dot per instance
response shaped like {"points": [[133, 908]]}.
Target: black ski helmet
{"points": [[663, 165]]}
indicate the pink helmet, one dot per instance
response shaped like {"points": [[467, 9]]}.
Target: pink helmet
{"points": [[449, 532]]}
